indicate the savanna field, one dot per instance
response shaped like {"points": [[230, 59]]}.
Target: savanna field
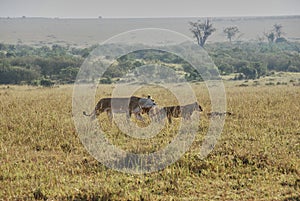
{"points": [[257, 156]]}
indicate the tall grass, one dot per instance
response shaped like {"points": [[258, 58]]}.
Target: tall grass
{"points": [[257, 156]]}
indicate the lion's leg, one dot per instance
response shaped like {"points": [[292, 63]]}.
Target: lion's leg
{"points": [[137, 112], [109, 114]]}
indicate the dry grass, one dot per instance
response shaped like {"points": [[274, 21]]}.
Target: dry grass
{"points": [[256, 158]]}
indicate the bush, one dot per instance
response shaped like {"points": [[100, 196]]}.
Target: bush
{"points": [[35, 83], [106, 80], [270, 84], [47, 83], [243, 85], [256, 83], [281, 83]]}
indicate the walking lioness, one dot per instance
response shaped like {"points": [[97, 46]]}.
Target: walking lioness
{"points": [[126, 105]]}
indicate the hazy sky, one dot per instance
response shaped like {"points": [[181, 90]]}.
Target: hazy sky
{"points": [[147, 8]]}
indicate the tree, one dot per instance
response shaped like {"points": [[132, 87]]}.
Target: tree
{"points": [[261, 68], [278, 30], [270, 36], [276, 34], [231, 32], [202, 31], [249, 72], [16, 75], [68, 74], [225, 68]]}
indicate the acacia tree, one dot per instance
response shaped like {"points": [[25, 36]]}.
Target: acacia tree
{"points": [[231, 32], [270, 36], [202, 30], [278, 30], [276, 34]]}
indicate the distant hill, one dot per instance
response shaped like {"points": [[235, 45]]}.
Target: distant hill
{"points": [[86, 32]]}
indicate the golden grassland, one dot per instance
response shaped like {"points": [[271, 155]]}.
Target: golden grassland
{"points": [[257, 156]]}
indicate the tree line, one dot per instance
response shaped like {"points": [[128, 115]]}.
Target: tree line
{"points": [[202, 30], [46, 65], [23, 64]]}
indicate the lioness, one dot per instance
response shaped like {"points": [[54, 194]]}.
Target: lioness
{"points": [[127, 105], [176, 111]]}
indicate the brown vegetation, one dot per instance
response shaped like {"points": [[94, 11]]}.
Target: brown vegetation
{"points": [[256, 158]]}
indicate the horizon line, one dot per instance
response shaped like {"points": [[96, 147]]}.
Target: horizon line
{"points": [[150, 17]]}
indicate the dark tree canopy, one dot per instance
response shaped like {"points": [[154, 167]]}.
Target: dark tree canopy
{"points": [[270, 36]]}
